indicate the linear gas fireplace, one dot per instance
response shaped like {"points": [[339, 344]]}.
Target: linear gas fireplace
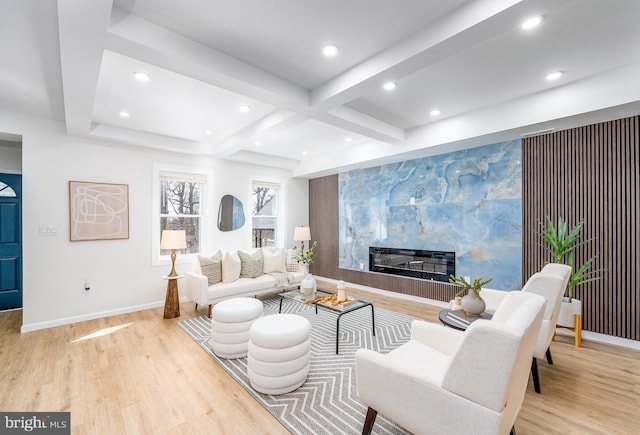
{"points": [[416, 263]]}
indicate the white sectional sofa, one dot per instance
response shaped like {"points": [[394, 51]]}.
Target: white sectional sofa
{"points": [[240, 273]]}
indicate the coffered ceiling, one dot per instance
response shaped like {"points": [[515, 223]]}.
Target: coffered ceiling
{"points": [[74, 61]]}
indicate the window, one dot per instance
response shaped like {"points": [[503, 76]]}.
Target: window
{"points": [[181, 206], [6, 190], [265, 211]]}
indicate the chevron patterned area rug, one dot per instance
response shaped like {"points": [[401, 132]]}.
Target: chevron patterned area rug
{"points": [[327, 403]]}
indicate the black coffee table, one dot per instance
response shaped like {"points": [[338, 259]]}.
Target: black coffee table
{"points": [[340, 309], [447, 320]]}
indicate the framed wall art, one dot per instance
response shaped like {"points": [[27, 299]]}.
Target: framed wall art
{"points": [[98, 211]]}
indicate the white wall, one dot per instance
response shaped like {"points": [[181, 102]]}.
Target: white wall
{"points": [[10, 157], [121, 273]]}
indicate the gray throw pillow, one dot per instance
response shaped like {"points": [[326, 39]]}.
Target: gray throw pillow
{"points": [[251, 265], [212, 267]]}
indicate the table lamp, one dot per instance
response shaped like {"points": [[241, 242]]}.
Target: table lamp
{"points": [[173, 239], [300, 234]]}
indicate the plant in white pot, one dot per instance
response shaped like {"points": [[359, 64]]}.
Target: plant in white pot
{"points": [[561, 243], [308, 286], [472, 303]]}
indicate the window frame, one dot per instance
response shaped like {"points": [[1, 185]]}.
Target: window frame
{"points": [[280, 219], [206, 207]]}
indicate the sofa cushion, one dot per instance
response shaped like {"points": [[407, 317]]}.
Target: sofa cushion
{"points": [[273, 260], [291, 263], [211, 267], [251, 264], [241, 286], [230, 267]]}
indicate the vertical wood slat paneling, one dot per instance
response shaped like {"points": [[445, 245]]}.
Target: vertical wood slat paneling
{"points": [[590, 174]]}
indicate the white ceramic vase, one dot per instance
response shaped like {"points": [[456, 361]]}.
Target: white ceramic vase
{"points": [[568, 311], [308, 286], [473, 305]]}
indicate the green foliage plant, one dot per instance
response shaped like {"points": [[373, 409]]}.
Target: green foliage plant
{"points": [[477, 285], [303, 257], [561, 243]]}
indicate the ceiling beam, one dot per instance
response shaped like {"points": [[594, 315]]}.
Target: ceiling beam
{"points": [[412, 54], [139, 39], [82, 28]]}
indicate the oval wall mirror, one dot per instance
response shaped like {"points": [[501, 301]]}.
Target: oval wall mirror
{"points": [[230, 214]]}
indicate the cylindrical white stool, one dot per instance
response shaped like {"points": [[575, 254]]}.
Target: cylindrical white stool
{"points": [[279, 353], [230, 323]]}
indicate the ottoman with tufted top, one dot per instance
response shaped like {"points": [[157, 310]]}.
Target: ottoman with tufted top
{"points": [[279, 353], [230, 323]]}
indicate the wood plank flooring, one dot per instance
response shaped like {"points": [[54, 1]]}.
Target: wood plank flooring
{"points": [[137, 373]]}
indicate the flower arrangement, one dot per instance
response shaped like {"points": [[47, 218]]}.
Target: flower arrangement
{"points": [[303, 257], [477, 285]]}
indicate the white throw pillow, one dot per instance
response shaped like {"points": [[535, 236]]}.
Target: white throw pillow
{"points": [[273, 259], [230, 267]]}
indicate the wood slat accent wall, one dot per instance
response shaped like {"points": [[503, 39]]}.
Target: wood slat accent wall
{"points": [[323, 221], [590, 174]]}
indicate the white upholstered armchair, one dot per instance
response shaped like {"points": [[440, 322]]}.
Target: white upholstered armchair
{"points": [[551, 283], [445, 381]]}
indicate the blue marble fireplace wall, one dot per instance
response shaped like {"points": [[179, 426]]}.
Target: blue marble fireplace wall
{"points": [[467, 201]]}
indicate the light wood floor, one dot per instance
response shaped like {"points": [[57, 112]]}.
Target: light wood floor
{"points": [[145, 376]]}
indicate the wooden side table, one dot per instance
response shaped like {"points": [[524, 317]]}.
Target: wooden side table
{"points": [[172, 301]]}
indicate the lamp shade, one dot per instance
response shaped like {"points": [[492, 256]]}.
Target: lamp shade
{"points": [[301, 234], [173, 239]]}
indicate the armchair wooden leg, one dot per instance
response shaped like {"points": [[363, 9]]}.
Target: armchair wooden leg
{"points": [[369, 420], [209, 311], [534, 373], [549, 359], [513, 430]]}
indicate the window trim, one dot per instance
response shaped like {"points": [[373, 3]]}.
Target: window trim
{"points": [[206, 207], [261, 181]]}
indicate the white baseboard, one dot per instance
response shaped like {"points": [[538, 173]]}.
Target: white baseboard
{"points": [[91, 316], [586, 335]]}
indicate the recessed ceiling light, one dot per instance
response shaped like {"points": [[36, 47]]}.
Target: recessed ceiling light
{"points": [[532, 22], [124, 114], [434, 112], [330, 50], [244, 108], [554, 75], [348, 139], [389, 86], [141, 76], [304, 153], [208, 132], [257, 143]]}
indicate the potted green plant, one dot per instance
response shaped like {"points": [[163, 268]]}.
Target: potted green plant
{"points": [[472, 303], [308, 286], [561, 243], [305, 257]]}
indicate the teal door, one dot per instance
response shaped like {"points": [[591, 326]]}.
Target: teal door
{"points": [[10, 241]]}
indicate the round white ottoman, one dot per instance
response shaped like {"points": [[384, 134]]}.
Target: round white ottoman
{"points": [[279, 353], [230, 323]]}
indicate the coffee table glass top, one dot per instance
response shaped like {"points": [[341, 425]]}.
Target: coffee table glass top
{"points": [[352, 304]]}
